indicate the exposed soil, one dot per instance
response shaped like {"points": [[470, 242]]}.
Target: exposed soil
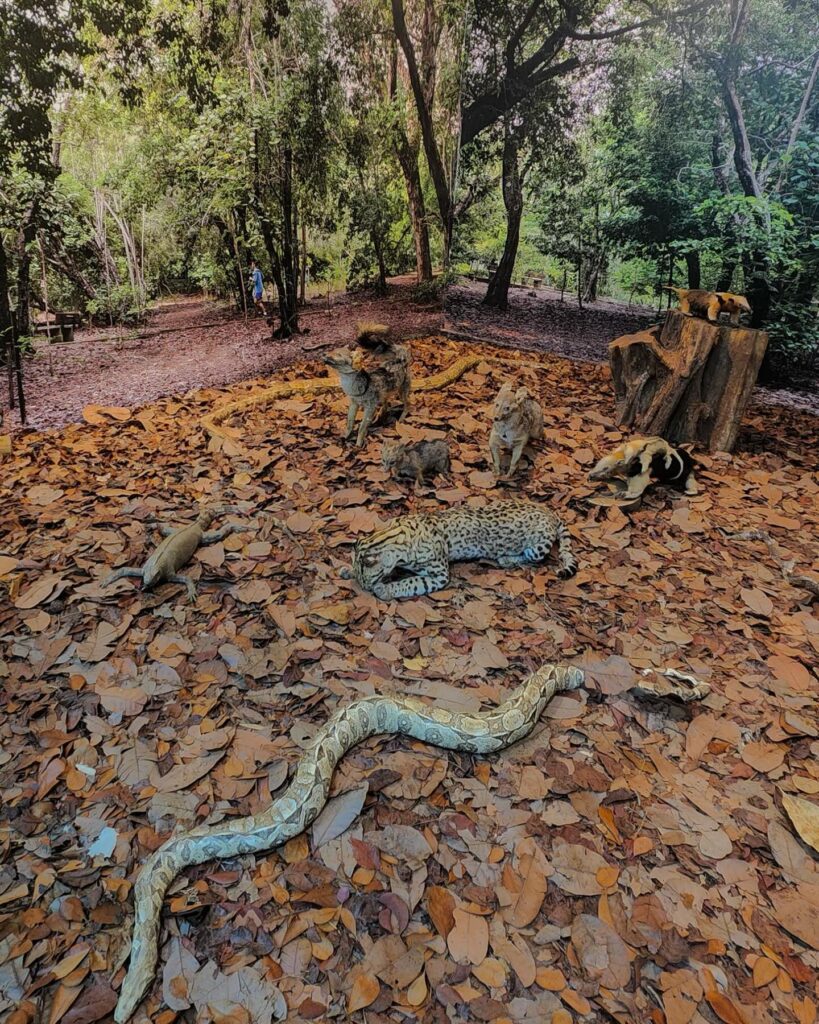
{"points": [[544, 323], [191, 343]]}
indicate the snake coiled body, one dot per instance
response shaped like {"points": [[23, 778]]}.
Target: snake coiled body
{"points": [[306, 795]]}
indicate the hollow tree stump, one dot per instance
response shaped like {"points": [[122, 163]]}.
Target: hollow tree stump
{"points": [[687, 379]]}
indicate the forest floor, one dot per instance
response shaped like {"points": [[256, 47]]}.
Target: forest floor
{"points": [[193, 343], [630, 860], [544, 323]]}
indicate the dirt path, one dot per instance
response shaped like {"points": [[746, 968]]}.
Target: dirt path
{"points": [[192, 343], [543, 323]]}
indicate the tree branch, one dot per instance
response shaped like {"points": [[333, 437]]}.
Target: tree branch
{"points": [[436, 166], [797, 124]]}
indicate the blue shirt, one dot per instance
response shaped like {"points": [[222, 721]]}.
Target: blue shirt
{"points": [[257, 282]]}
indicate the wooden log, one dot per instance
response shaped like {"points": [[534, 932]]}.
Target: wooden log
{"points": [[687, 380]]}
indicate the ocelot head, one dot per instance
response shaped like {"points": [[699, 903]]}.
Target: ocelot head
{"points": [[378, 559]]}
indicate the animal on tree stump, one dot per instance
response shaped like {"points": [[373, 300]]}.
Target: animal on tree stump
{"points": [[371, 390], [411, 555], [416, 461], [645, 461], [174, 552], [516, 419], [289, 815], [697, 302]]}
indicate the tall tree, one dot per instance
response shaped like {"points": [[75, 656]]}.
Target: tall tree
{"points": [[47, 46], [422, 75]]}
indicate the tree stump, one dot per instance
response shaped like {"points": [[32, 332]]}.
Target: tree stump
{"points": [[686, 380]]}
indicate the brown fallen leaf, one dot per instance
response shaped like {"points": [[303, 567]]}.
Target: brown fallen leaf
{"points": [[97, 415], [765, 971], [468, 941], [440, 907], [46, 588], [64, 999], [417, 992], [491, 972], [763, 757], [758, 602], [337, 815], [602, 953], [797, 916], [724, 1008], [364, 992], [529, 899], [805, 818], [796, 862], [183, 775], [576, 869], [96, 1002]]}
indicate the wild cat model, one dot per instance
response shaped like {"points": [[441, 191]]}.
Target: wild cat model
{"points": [[517, 419], [411, 556]]}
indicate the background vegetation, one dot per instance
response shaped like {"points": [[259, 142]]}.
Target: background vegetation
{"points": [[153, 147], [681, 146]]}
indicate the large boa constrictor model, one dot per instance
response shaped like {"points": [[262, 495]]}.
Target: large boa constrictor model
{"points": [[307, 793]]}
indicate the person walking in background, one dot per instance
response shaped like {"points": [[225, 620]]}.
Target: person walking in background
{"points": [[257, 287]]}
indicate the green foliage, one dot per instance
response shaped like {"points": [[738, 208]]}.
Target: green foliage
{"points": [[432, 291]]}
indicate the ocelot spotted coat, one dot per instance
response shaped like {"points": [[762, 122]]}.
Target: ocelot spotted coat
{"points": [[411, 556]]}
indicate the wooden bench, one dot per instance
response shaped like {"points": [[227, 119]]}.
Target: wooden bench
{"points": [[61, 327]]}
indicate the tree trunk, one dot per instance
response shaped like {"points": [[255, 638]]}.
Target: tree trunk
{"points": [[692, 263], [25, 237], [687, 381], [424, 108], [408, 160], [376, 240], [497, 294], [288, 305], [726, 275], [5, 312], [303, 278]]}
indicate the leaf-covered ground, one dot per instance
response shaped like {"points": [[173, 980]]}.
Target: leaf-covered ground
{"points": [[629, 861]]}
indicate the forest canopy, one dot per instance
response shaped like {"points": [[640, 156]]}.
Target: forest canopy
{"points": [[152, 148], [680, 146]]}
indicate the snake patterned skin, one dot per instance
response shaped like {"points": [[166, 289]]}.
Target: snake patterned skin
{"points": [[306, 795]]}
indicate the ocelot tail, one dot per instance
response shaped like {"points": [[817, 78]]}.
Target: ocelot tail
{"points": [[411, 555]]}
